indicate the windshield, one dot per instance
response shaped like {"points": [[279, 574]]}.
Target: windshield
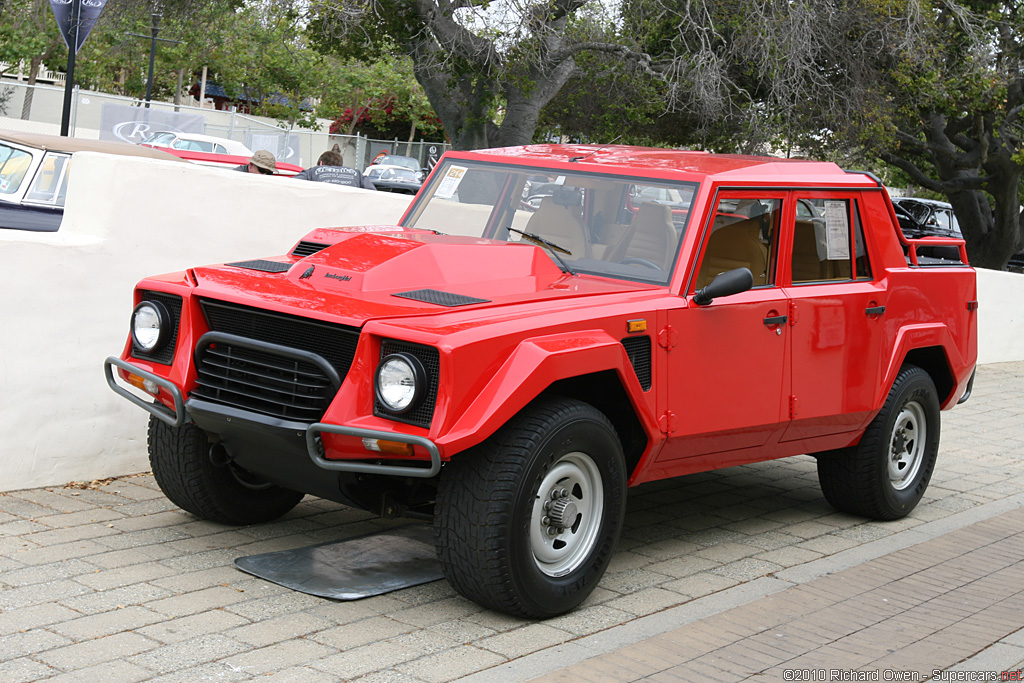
{"points": [[162, 138], [408, 162], [597, 223]]}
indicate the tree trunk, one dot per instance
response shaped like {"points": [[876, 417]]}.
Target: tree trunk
{"points": [[412, 138], [177, 92], [972, 164], [33, 72]]}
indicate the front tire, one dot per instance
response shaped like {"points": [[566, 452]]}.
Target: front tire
{"points": [[526, 523], [886, 474], [213, 489]]}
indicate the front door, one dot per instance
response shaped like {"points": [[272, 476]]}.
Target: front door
{"points": [[726, 362]]}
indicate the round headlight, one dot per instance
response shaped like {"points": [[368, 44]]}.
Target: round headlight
{"points": [[401, 381], [150, 326]]}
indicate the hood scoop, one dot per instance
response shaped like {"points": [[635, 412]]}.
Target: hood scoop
{"points": [[264, 266], [306, 248], [436, 296]]}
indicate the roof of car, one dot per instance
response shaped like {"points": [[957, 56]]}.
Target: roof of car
{"points": [[920, 200], [59, 143], [684, 163]]}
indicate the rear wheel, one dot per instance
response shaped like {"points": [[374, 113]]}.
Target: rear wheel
{"points": [[526, 523], [887, 473], [199, 478]]}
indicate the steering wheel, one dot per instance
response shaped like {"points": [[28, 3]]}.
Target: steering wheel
{"points": [[637, 261]]}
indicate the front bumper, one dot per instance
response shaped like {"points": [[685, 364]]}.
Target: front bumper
{"points": [[253, 439]]}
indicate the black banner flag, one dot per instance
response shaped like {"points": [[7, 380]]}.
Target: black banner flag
{"points": [[85, 11]]}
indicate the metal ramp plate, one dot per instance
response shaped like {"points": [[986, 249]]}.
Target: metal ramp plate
{"points": [[355, 568]]}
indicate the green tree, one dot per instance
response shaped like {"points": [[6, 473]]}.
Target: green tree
{"points": [[29, 37], [487, 71], [955, 127]]}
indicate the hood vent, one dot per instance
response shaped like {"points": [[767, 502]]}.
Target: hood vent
{"points": [[436, 296], [265, 266], [304, 249]]}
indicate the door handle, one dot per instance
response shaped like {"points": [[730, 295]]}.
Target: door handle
{"points": [[875, 310], [775, 320]]}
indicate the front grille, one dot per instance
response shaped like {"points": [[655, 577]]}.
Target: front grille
{"points": [[263, 378], [270, 363], [639, 351], [164, 355], [422, 414], [336, 343]]}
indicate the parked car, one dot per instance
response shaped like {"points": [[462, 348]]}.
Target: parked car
{"points": [[229, 161], [194, 142], [34, 175], [928, 218], [507, 372], [394, 179], [396, 161]]}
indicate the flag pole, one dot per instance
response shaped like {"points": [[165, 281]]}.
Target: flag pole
{"points": [[69, 84]]}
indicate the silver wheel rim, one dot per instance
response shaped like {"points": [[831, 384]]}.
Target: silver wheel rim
{"points": [[566, 514], [906, 445]]}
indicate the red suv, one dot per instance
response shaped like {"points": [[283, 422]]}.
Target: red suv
{"points": [[507, 369]]}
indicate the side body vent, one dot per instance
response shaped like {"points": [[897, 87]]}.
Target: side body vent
{"points": [[639, 351], [303, 249]]}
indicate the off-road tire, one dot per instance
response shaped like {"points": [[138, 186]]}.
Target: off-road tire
{"points": [[180, 458], [864, 479], [487, 508]]}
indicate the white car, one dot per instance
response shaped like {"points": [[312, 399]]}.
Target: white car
{"points": [[194, 142]]}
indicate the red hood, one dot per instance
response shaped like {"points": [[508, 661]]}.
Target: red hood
{"points": [[368, 275]]}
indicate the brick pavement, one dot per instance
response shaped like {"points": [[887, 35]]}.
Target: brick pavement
{"points": [[908, 615], [111, 582]]}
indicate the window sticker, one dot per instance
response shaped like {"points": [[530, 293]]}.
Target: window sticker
{"points": [[837, 230], [450, 183]]}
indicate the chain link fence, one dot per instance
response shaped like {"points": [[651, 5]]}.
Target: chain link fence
{"points": [[38, 108]]}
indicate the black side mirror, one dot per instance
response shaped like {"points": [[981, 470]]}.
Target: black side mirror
{"points": [[725, 284]]}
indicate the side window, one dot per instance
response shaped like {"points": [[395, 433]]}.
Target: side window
{"points": [[744, 234], [829, 246], [49, 179]]}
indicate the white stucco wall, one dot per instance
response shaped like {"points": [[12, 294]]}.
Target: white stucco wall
{"points": [[67, 296], [1000, 316]]}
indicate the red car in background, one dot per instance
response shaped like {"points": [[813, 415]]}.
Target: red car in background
{"points": [[226, 160]]}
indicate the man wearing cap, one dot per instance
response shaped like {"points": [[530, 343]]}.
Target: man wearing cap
{"points": [[262, 162]]}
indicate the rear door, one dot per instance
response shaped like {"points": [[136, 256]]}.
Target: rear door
{"points": [[836, 315]]}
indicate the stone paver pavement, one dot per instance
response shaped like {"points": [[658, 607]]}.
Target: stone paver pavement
{"points": [[109, 581]]}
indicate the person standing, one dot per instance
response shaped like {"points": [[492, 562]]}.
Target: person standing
{"points": [[331, 168]]}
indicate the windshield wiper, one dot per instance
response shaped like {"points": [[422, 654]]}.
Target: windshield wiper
{"points": [[552, 247]]}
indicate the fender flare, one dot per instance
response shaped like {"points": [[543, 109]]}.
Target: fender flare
{"points": [[929, 335], [533, 366]]}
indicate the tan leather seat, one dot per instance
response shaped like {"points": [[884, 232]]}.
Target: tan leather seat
{"points": [[561, 225], [735, 246], [651, 236], [810, 256]]}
